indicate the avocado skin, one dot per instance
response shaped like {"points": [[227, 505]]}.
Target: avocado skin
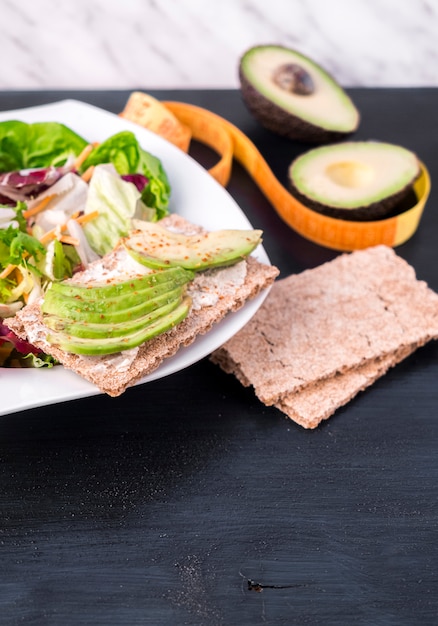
{"points": [[391, 205]]}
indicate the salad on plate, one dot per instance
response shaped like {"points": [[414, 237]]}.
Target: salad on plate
{"points": [[65, 203]]}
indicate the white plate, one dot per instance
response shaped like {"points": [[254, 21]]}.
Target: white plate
{"points": [[195, 195]]}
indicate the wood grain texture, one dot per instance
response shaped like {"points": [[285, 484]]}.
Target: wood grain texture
{"points": [[186, 501]]}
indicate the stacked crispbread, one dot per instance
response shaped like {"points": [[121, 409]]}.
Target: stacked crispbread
{"points": [[215, 293], [326, 334]]}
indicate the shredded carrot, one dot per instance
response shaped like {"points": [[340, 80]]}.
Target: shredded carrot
{"points": [[86, 176], [67, 239], [84, 219], [49, 235], [40, 206], [8, 269], [54, 233], [82, 156], [18, 275]]}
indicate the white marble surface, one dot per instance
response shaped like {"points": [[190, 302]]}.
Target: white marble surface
{"points": [[198, 43]]}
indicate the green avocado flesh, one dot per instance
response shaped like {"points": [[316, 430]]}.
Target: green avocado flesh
{"points": [[111, 345], [108, 310], [56, 315], [293, 96], [122, 319], [155, 247], [354, 180], [112, 289], [119, 329]]}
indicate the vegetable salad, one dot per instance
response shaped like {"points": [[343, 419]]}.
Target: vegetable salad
{"points": [[64, 203]]}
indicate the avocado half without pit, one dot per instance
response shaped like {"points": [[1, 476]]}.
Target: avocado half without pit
{"points": [[293, 96], [364, 180]]}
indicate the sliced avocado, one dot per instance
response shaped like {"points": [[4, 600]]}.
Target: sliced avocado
{"points": [[115, 288], [155, 246], [116, 315], [164, 294], [293, 96], [111, 345], [109, 317], [354, 180], [110, 309], [120, 329]]}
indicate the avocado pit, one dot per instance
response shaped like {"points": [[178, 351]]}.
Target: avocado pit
{"points": [[293, 78], [351, 174]]}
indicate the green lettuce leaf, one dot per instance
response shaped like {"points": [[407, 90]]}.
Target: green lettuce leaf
{"points": [[41, 144], [5, 290], [38, 360], [16, 246], [156, 194], [117, 202], [128, 157], [63, 259]]}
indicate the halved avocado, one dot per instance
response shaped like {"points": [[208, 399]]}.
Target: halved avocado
{"points": [[361, 180], [293, 96]]}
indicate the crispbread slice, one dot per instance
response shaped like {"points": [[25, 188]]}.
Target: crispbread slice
{"points": [[215, 294], [319, 401], [356, 310], [309, 406]]}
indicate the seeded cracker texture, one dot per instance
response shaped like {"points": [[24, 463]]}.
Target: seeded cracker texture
{"points": [[215, 293], [328, 333]]}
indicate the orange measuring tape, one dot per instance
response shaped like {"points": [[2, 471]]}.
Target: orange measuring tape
{"points": [[231, 143]]}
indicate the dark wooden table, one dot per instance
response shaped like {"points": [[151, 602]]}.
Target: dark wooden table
{"points": [[186, 501]]}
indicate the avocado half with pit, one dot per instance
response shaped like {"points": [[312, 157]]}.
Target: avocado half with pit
{"points": [[293, 96], [363, 180]]}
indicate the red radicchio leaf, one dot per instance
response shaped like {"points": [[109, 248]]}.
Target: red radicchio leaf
{"points": [[22, 346], [139, 180], [19, 186]]}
